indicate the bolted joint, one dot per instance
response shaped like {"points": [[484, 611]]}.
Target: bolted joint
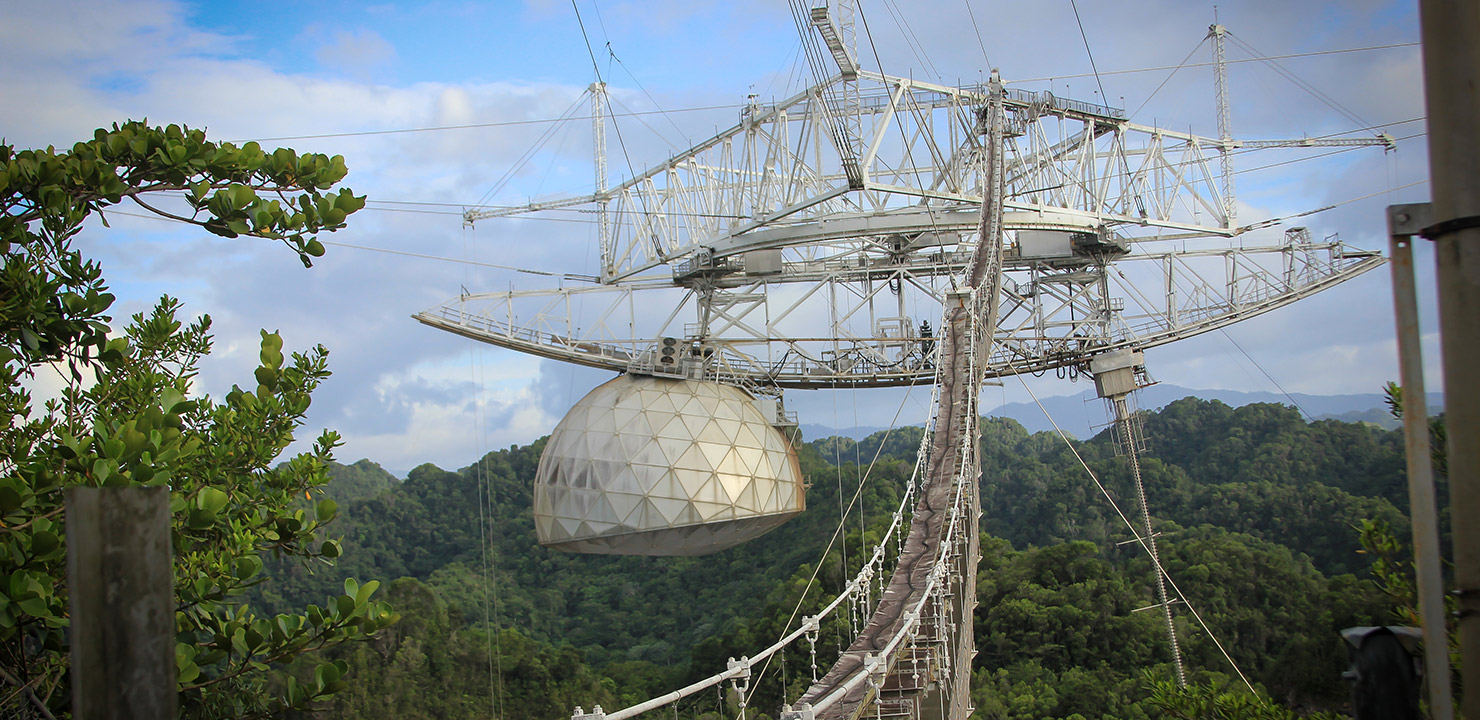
{"points": [[1409, 219], [802, 711], [596, 713]]}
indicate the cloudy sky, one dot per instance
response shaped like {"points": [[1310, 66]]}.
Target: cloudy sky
{"points": [[434, 104]]}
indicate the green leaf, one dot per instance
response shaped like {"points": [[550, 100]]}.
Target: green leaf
{"points": [[44, 543], [211, 500], [170, 399], [35, 607], [272, 350], [242, 196], [366, 591], [188, 672], [326, 510], [200, 519], [248, 566]]}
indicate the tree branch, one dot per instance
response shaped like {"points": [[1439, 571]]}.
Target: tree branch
{"points": [[26, 688], [157, 211], [13, 528]]}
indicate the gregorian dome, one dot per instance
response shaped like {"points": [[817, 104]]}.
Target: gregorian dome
{"points": [[663, 466]]}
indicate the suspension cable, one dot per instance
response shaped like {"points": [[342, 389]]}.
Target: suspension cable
{"points": [[1139, 540]]}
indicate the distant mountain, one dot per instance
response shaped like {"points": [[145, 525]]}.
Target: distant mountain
{"points": [[1084, 415], [813, 431]]}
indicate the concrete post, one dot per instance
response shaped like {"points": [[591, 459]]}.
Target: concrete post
{"points": [[122, 603], [1451, 60]]}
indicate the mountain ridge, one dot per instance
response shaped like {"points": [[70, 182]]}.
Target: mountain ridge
{"points": [[1082, 416]]}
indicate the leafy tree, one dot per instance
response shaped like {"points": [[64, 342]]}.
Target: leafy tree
{"points": [[1215, 701], [127, 417]]}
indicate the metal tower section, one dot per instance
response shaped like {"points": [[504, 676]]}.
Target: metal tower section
{"points": [[1116, 237], [1225, 121], [842, 99], [598, 146], [918, 664]]}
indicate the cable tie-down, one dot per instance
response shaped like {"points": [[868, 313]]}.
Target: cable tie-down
{"points": [[1447, 227], [1462, 594]]}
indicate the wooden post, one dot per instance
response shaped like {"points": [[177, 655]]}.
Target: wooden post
{"points": [[122, 603]]}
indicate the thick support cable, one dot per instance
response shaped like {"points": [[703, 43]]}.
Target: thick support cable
{"points": [[1127, 521], [1130, 435]]}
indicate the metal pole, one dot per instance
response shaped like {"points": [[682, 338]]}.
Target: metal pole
{"points": [[1451, 60], [1421, 501]]}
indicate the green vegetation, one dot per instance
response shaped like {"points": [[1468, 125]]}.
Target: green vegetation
{"points": [[124, 419], [1264, 542]]}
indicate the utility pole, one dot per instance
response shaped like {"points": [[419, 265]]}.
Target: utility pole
{"points": [[1451, 61]]}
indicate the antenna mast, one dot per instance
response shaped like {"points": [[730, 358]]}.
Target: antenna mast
{"points": [[1225, 131], [598, 143]]}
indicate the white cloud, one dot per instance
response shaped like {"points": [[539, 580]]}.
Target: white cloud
{"points": [[357, 53]]}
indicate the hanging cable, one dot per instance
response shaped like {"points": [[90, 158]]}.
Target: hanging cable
{"points": [[738, 106], [1159, 68], [529, 153], [1300, 83], [911, 41], [477, 126], [1124, 163], [1168, 78], [1281, 388], [816, 568], [682, 136], [1137, 535], [981, 43]]}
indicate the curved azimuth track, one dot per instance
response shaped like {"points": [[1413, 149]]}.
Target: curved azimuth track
{"points": [[810, 246]]}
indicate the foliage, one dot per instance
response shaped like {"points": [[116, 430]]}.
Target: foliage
{"points": [[610, 608], [1057, 635], [1215, 701], [1393, 569], [430, 666], [1438, 430], [1258, 470], [127, 416]]}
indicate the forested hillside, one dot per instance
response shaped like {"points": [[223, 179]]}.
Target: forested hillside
{"points": [[1257, 509]]}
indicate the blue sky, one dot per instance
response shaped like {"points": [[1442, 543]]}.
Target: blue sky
{"points": [[404, 394]]}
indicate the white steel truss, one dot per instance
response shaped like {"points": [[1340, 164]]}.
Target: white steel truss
{"points": [[783, 260], [852, 316]]}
